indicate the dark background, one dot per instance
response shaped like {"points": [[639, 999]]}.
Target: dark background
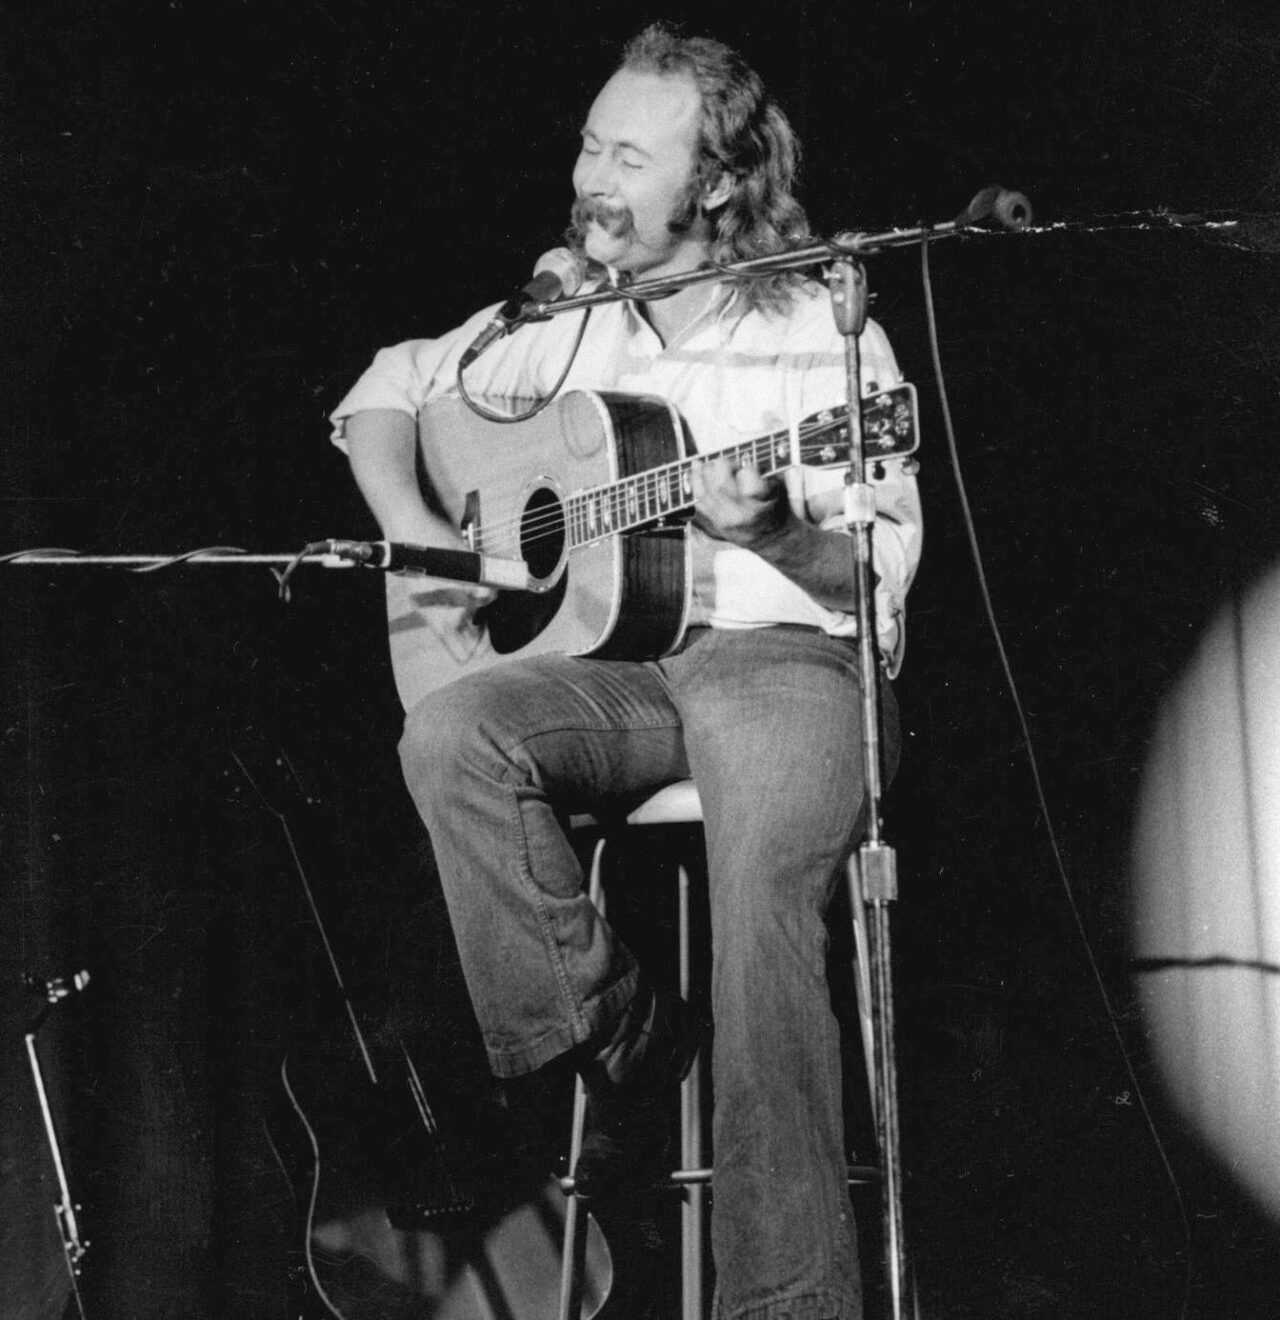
{"points": [[216, 212]]}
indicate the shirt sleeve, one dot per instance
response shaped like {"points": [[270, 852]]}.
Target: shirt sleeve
{"points": [[406, 376], [518, 368]]}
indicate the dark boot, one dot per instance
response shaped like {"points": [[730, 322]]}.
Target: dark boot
{"points": [[630, 1084]]}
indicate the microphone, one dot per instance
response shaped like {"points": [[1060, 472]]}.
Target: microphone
{"points": [[996, 208], [458, 565], [558, 274]]}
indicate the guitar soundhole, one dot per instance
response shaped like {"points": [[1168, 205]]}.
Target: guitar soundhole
{"points": [[542, 532]]}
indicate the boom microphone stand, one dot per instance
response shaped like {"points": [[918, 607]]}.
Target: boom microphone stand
{"points": [[872, 870]]}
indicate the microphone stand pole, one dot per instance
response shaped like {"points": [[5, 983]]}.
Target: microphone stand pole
{"points": [[73, 1245], [872, 870]]}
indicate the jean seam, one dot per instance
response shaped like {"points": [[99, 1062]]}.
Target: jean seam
{"points": [[578, 1026], [532, 1054], [582, 1023], [604, 726]]}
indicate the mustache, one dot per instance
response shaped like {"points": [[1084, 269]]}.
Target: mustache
{"points": [[616, 221]]}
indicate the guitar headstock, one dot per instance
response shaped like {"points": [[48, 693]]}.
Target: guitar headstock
{"points": [[890, 429]]}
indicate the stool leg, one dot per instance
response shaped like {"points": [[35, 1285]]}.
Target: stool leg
{"points": [[573, 1247], [693, 1206], [862, 978]]}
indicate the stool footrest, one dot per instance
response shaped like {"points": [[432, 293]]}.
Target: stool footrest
{"points": [[679, 1178]]}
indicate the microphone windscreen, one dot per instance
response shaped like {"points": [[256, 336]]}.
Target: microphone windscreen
{"points": [[996, 208], [566, 268]]}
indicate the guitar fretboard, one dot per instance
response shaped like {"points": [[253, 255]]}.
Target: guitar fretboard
{"points": [[888, 428], [662, 492]]}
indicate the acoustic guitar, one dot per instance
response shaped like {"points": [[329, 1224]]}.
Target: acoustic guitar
{"points": [[421, 1195], [593, 494], [418, 1206]]}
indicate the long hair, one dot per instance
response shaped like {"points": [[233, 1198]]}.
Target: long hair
{"points": [[745, 135]]}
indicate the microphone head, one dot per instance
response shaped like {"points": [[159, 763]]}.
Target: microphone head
{"points": [[996, 208], [561, 272]]}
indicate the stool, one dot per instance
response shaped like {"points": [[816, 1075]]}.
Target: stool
{"points": [[679, 804]]}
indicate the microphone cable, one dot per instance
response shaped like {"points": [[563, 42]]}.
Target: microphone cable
{"points": [[507, 418]]}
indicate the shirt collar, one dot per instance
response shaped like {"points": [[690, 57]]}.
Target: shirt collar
{"points": [[723, 302]]}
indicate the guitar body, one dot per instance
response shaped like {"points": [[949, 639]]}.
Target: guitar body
{"points": [[403, 1222], [619, 596], [589, 494]]}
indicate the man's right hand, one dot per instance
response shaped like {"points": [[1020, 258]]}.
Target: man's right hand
{"points": [[433, 532], [381, 445]]}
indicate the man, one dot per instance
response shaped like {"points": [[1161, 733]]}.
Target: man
{"points": [[683, 159]]}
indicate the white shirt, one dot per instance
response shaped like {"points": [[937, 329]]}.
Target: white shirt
{"points": [[733, 374]]}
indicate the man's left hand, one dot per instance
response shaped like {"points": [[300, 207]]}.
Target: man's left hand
{"points": [[737, 504]]}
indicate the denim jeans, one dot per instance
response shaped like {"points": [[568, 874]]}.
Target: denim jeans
{"points": [[768, 724]]}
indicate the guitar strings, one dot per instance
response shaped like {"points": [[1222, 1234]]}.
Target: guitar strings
{"points": [[643, 488], [614, 508], [617, 511]]}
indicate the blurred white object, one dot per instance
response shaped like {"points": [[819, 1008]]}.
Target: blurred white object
{"points": [[1206, 890]]}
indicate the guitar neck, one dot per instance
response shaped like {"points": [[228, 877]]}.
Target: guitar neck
{"points": [[662, 492], [888, 425]]}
